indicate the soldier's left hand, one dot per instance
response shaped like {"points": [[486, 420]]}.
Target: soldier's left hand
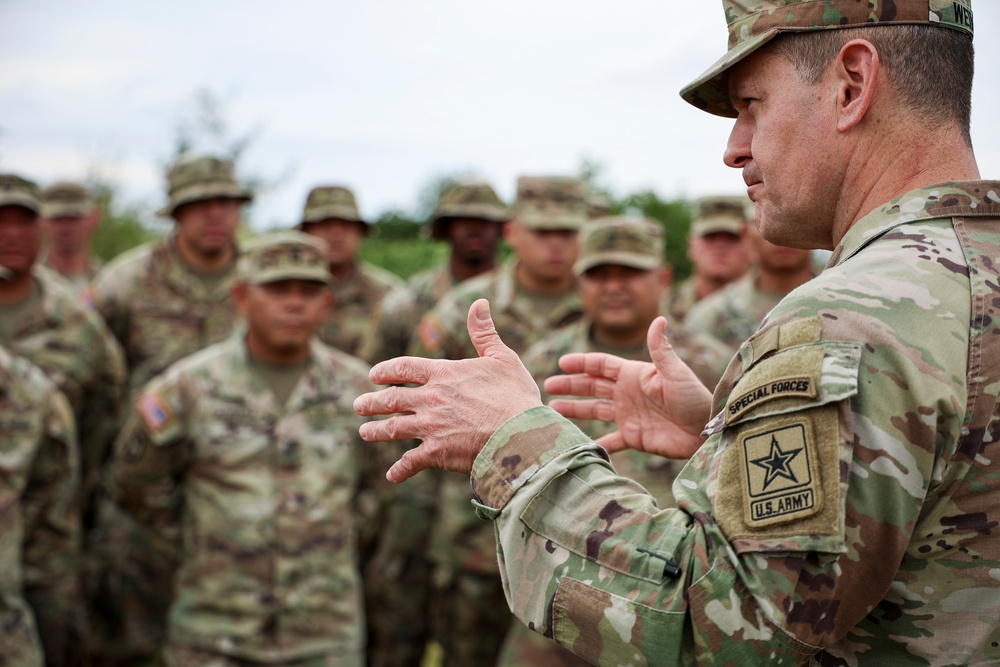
{"points": [[456, 406]]}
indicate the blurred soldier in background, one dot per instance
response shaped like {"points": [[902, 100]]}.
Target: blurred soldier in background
{"points": [[623, 282], [39, 521], [331, 213], [70, 218], [598, 205], [469, 217], [253, 443], [733, 313], [532, 294], [163, 301], [717, 248]]}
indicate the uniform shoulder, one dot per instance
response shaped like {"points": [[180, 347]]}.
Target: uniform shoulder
{"points": [[381, 277], [341, 364], [131, 263]]}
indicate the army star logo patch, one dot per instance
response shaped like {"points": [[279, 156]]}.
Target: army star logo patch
{"points": [[779, 477]]}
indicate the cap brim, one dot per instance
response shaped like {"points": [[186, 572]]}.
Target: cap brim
{"points": [[66, 210], [264, 277], [24, 202], [203, 193], [710, 91]]}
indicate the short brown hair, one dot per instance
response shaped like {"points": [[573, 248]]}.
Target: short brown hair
{"points": [[931, 67]]}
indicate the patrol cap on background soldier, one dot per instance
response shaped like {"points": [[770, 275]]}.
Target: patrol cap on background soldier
{"points": [[283, 255], [69, 219], [599, 205], [624, 241], [551, 202], [466, 198], [194, 178]]}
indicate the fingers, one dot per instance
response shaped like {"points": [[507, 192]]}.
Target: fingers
{"points": [[660, 350], [601, 410], [400, 427], [388, 401], [402, 370], [483, 332], [406, 467], [579, 385]]}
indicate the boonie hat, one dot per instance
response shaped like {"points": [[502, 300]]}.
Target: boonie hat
{"points": [[467, 199], [753, 23], [551, 202], [632, 242], [330, 201], [17, 191], [197, 178], [66, 199], [284, 255], [721, 214]]}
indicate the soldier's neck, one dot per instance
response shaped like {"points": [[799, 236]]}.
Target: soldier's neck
{"points": [[16, 289], [463, 270], [74, 263]]}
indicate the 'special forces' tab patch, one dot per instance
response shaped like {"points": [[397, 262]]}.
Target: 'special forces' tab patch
{"points": [[782, 387], [780, 475]]}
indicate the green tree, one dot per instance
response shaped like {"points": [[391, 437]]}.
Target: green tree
{"points": [[122, 226]]}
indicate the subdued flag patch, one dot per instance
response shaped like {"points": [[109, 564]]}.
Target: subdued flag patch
{"points": [[155, 411], [431, 334]]}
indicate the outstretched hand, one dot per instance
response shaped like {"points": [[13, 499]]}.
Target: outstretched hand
{"points": [[457, 406], [659, 407]]}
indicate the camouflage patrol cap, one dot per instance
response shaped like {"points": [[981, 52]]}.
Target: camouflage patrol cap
{"points": [[467, 199], [196, 178], [624, 241], [753, 23], [551, 202], [66, 199], [721, 214], [17, 191], [330, 201], [284, 255], [598, 205]]}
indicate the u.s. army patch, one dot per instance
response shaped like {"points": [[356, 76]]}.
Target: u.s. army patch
{"points": [[780, 474]]}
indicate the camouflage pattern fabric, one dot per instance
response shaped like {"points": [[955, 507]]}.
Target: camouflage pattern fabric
{"points": [[398, 577], [254, 501], [73, 346], [39, 520], [355, 298], [187, 656], [733, 313], [401, 311], [160, 311], [843, 509], [82, 281], [462, 547], [682, 297]]}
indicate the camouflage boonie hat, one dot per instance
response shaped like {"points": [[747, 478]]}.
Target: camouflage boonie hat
{"points": [[551, 202], [632, 242], [197, 178], [66, 199], [728, 214], [753, 23], [285, 255], [598, 205], [331, 201], [17, 191], [467, 199]]}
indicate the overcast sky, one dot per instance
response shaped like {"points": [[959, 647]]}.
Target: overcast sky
{"points": [[385, 95]]}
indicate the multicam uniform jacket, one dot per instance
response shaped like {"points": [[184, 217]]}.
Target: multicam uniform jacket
{"points": [[733, 313], [258, 500], [73, 346], [400, 313], [354, 300], [39, 518], [159, 309], [843, 510], [459, 540]]}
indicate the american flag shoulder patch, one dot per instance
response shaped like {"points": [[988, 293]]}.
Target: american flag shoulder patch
{"points": [[155, 411]]}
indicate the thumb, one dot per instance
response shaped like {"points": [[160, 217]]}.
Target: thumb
{"points": [[660, 350], [482, 330]]}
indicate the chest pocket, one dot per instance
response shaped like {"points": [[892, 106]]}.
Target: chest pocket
{"points": [[784, 450]]}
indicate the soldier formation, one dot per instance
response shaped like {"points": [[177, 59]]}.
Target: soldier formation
{"points": [[184, 477]]}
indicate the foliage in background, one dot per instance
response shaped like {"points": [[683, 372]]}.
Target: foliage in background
{"points": [[122, 226], [675, 216]]}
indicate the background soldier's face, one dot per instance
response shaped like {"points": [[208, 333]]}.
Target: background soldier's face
{"points": [[209, 226], [343, 237], [20, 238], [473, 239], [70, 234], [547, 254], [719, 255], [283, 316], [620, 299]]}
